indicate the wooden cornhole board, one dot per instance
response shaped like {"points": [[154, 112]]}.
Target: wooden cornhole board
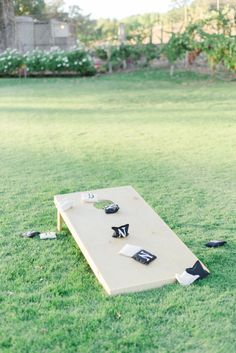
{"points": [[91, 229]]}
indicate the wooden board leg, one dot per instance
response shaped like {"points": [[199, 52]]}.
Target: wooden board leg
{"points": [[59, 221]]}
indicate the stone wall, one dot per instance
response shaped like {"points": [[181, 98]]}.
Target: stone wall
{"points": [[32, 34], [43, 36], [24, 33]]}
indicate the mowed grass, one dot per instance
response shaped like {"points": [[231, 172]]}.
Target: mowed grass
{"points": [[174, 141]]}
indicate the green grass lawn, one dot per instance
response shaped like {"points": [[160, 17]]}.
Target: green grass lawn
{"points": [[174, 141]]}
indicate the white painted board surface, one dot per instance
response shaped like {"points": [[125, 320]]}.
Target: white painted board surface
{"points": [[91, 229]]}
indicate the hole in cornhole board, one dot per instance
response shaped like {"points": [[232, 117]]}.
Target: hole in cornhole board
{"points": [[101, 204]]}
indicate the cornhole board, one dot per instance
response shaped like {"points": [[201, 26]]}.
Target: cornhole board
{"points": [[91, 229]]}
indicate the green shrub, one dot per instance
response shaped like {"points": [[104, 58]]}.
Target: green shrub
{"points": [[35, 61], [133, 53], [100, 53], [176, 47], [10, 61], [220, 48], [212, 36], [230, 57], [151, 51], [54, 61]]}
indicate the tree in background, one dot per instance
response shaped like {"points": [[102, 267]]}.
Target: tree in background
{"points": [[54, 9], [140, 28], [211, 36], [182, 5], [7, 25], [107, 30], [85, 27], [35, 8], [41, 9], [202, 8]]}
